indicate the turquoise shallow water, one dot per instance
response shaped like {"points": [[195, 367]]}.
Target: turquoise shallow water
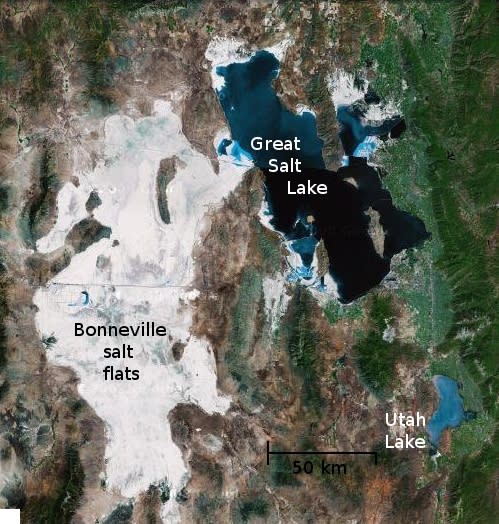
{"points": [[253, 108], [450, 411], [340, 217]]}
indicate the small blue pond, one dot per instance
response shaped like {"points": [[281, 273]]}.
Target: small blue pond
{"points": [[83, 300]]}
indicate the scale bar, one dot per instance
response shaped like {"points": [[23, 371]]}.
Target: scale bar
{"points": [[374, 453]]}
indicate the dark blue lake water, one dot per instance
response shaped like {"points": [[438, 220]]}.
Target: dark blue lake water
{"points": [[450, 411], [252, 108], [353, 131]]}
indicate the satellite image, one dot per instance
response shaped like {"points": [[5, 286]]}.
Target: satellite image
{"points": [[248, 262]]}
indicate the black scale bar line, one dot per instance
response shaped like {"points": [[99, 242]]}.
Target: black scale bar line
{"points": [[374, 453]]}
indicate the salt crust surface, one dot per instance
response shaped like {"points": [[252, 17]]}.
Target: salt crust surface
{"points": [[276, 299], [148, 276], [221, 52], [344, 92]]}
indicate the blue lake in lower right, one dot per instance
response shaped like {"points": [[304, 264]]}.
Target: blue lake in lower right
{"points": [[450, 411]]}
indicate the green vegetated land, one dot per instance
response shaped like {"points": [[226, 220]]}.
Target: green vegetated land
{"points": [[302, 342], [38, 210], [438, 61], [89, 32], [335, 311], [376, 355], [62, 506], [242, 337]]}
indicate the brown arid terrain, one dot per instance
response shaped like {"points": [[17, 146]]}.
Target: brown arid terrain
{"points": [[350, 417], [52, 443]]}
